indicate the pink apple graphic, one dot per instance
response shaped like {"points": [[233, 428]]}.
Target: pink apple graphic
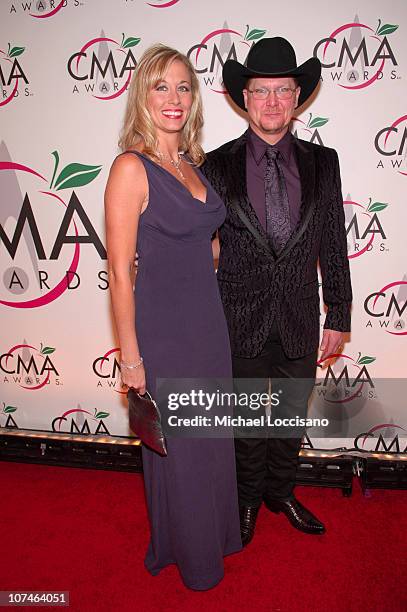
{"points": [[71, 176], [312, 123], [381, 30]]}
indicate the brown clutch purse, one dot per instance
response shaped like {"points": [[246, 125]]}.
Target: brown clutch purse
{"points": [[145, 421]]}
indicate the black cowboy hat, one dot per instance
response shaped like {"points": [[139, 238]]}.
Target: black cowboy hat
{"points": [[271, 57]]}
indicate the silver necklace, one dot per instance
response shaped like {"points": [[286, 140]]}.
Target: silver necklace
{"points": [[163, 157]]}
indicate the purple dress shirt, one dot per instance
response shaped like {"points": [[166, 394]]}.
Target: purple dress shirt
{"points": [[256, 166]]}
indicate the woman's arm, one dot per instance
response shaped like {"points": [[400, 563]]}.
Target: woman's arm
{"points": [[126, 198]]}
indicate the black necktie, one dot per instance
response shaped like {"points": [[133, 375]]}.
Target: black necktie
{"points": [[277, 208]]}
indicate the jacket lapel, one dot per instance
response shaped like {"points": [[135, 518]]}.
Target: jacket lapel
{"points": [[237, 190], [306, 169]]}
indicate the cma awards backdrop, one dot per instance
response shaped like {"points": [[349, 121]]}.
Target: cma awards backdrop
{"points": [[65, 67]]}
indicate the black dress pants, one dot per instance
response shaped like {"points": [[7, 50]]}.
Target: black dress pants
{"points": [[266, 465]]}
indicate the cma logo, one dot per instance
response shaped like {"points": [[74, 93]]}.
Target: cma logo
{"points": [[364, 227], [28, 366], [345, 379], [107, 369], [367, 441], [43, 207], [218, 46], [388, 306], [360, 52], [106, 63], [75, 421], [12, 72], [26, 217], [43, 9], [11, 75], [391, 144]]}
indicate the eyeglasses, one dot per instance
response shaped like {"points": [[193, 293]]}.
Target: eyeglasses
{"points": [[282, 93]]}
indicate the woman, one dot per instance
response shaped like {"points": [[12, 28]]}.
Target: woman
{"points": [[172, 326]]}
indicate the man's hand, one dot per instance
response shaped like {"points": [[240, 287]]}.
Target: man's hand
{"points": [[332, 342]]}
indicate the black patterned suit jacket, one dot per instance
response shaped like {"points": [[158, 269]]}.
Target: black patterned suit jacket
{"points": [[257, 287]]}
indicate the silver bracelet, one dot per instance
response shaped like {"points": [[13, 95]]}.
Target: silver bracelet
{"points": [[132, 366]]}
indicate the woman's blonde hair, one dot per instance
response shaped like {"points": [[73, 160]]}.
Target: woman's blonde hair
{"points": [[138, 125]]}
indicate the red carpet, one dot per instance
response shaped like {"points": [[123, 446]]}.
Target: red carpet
{"points": [[85, 531]]}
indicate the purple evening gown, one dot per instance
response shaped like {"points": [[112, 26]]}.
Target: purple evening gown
{"points": [[181, 328]]}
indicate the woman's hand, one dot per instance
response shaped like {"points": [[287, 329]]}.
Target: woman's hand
{"points": [[134, 378]]}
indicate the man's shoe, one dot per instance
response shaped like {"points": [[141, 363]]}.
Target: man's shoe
{"points": [[297, 514], [248, 518]]}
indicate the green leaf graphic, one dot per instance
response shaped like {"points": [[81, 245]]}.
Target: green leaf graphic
{"points": [[16, 51], [9, 409], [387, 28], [101, 415], [76, 175], [318, 122], [376, 206], [255, 34], [130, 42], [47, 350], [365, 360]]}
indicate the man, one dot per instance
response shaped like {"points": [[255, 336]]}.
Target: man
{"points": [[284, 213]]}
